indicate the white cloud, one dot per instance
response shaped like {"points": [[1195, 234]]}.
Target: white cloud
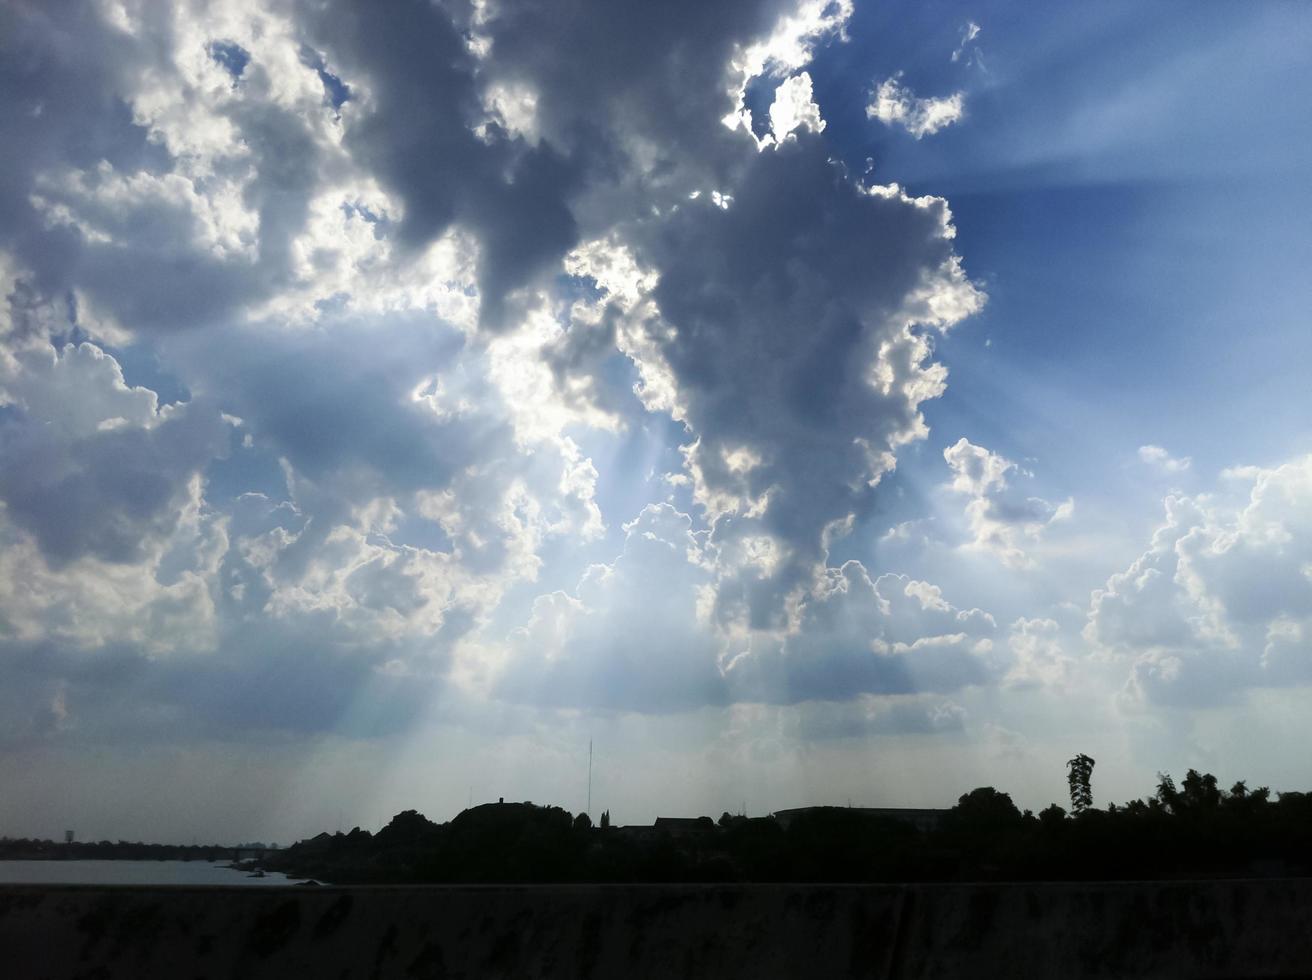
{"points": [[787, 48], [156, 604], [1222, 597], [1158, 457], [894, 104], [794, 108], [1039, 657], [968, 35], [1001, 517]]}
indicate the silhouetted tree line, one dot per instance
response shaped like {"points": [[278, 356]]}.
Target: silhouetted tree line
{"points": [[1192, 829]]}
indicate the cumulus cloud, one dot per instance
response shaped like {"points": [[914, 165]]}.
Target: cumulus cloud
{"points": [[857, 636], [794, 108], [787, 47], [789, 331], [1221, 599], [894, 104], [93, 466], [1001, 517], [151, 181], [330, 511], [639, 634], [1159, 458], [293, 392]]}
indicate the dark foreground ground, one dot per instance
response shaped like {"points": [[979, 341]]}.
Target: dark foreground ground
{"points": [[1228, 928]]}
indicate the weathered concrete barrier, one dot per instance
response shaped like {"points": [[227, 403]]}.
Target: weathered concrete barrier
{"points": [[1220, 929]]}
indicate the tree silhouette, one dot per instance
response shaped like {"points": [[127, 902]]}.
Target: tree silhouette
{"points": [[1079, 772], [1194, 827], [984, 811], [1052, 817], [605, 820], [1167, 795], [1199, 791]]}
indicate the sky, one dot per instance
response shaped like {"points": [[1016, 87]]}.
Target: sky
{"points": [[798, 401]]}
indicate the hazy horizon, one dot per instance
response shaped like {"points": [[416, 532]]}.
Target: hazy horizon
{"points": [[802, 401]]}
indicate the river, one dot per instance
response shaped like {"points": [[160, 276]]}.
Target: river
{"points": [[129, 873]]}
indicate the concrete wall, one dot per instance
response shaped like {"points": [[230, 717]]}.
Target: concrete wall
{"points": [[1233, 929]]}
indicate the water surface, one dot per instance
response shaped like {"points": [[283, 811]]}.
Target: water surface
{"points": [[91, 872]]}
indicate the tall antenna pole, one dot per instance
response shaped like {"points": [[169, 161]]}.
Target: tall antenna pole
{"points": [[589, 779]]}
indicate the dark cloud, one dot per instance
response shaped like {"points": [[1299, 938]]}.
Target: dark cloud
{"points": [[629, 119], [855, 636], [336, 401], [349, 408], [642, 106], [419, 135], [786, 326], [263, 684], [417, 131], [636, 636], [105, 476], [66, 90]]}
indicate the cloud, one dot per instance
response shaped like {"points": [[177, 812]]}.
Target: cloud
{"points": [[788, 46], [856, 636], [788, 330], [398, 501], [541, 365], [894, 104], [309, 316], [1158, 457], [1040, 659], [868, 717], [634, 636], [92, 466], [968, 35], [638, 634], [1000, 516], [1222, 597], [794, 108], [151, 181]]}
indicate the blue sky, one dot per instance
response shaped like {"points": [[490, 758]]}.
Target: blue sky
{"points": [[1129, 188], [804, 402]]}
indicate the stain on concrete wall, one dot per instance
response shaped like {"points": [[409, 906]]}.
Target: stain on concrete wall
{"points": [[1217, 929]]}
